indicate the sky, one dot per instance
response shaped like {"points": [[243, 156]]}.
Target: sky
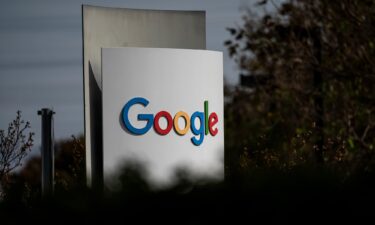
{"points": [[41, 54]]}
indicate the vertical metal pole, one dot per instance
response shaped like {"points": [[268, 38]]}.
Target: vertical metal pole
{"points": [[48, 168]]}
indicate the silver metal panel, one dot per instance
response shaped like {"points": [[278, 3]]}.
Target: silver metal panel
{"points": [[172, 80], [118, 27]]}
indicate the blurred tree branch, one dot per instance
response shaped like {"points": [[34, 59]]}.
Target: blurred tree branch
{"points": [[15, 143]]}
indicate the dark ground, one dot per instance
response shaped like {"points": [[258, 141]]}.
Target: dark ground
{"points": [[302, 196]]}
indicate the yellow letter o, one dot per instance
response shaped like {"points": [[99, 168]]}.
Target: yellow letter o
{"points": [[187, 122]]}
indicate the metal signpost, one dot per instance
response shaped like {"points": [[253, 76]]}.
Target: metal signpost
{"points": [[48, 167], [119, 27]]}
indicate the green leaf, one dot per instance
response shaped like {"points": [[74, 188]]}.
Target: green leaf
{"points": [[351, 142]]}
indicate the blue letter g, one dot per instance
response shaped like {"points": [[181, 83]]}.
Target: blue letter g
{"points": [[147, 117]]}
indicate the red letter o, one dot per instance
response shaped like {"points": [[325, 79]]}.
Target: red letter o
{"points": [[157, 127]]}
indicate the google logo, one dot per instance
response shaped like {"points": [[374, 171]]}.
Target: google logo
{"points": [[206, 126]]}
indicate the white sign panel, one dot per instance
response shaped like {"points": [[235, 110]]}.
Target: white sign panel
{"points": [[165, 108]]}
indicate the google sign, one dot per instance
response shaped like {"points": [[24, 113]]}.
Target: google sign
{"points": [[165, 108], [207, 121]]}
